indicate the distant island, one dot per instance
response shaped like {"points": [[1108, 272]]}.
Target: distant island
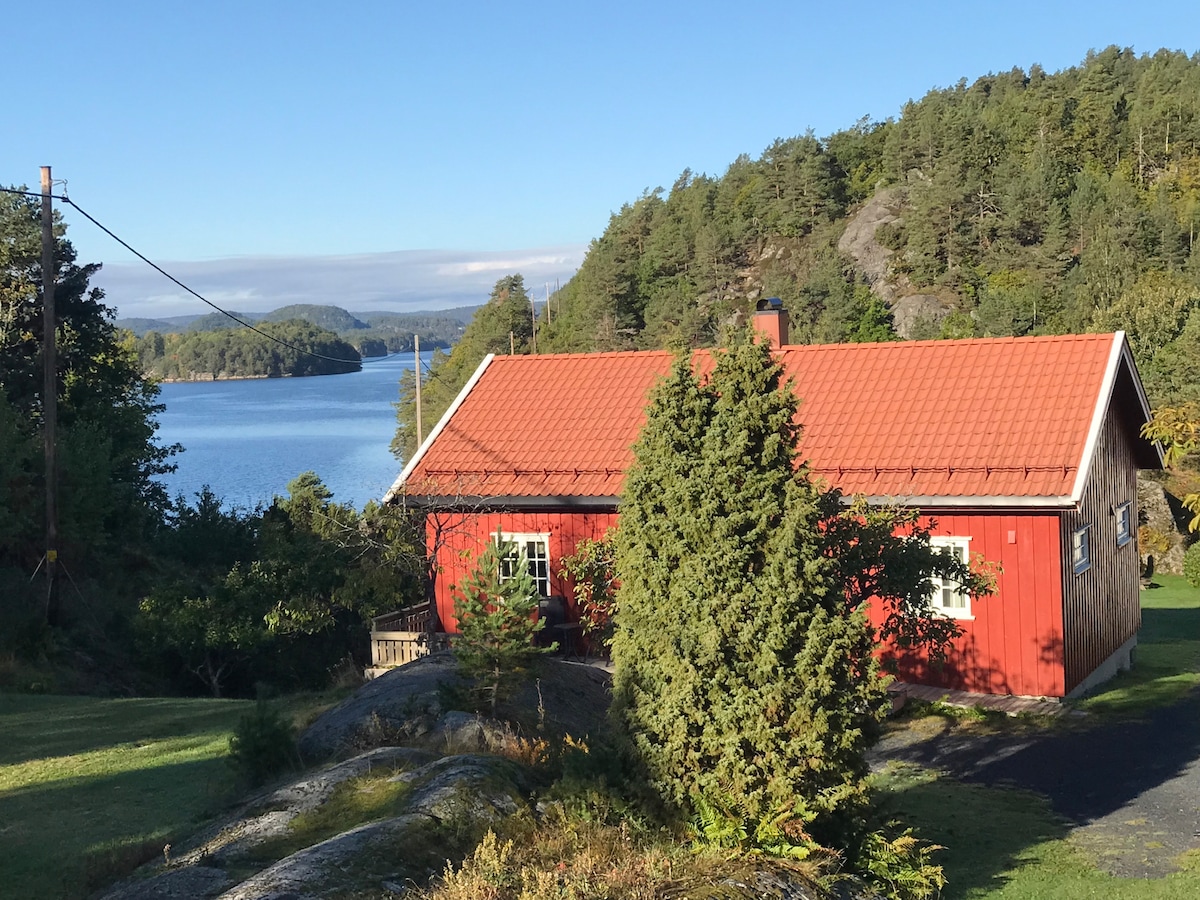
{"points": [[373, 333], [283, 349], [304, 339]]}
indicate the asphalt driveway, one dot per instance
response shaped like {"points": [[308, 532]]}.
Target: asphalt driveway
{"points": [[1131, 790]]}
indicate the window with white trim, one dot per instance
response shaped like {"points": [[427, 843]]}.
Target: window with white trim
{"points": [[1081, 549], [1124, 516], [949, 597], [535, 548]]}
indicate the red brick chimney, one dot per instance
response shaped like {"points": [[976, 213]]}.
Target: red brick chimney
{"points": [[771, 321]]}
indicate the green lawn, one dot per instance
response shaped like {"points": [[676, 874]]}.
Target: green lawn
{"points": [[1167, 660], [89, 787], [1008, 844], [1003, 844]]}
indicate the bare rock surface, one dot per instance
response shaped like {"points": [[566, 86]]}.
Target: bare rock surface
{"points": [[858, 241], [188, 883], [318, 871], [1156, 510], [473, 786], [269, 816], [913, 309], [465, 791], [458, 784], [382, 708], [408, 704], [909, 305]]}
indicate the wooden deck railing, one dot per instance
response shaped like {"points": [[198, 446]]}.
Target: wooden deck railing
{"points": [[395, 648], [411, 618]]}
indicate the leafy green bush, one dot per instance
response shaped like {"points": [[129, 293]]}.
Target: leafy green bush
{"points": [[263, 745], [1191, 565], [900, 868]]}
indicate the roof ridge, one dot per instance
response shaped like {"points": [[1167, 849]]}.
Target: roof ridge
{"points": [[603, 354], [1102, 337]]}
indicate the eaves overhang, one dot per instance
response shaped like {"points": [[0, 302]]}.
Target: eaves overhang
{"points": [[481, 503], [411, 465]]}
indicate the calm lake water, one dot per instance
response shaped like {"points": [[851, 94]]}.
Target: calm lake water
{"points": [[248, 439]]}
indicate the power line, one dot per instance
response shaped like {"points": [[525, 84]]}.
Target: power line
{"points": [[200, 297], [169, 276]]}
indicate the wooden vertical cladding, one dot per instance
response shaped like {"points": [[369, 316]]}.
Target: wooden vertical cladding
{"points": [[1012, 642], [1101, 605], [460, 537]]}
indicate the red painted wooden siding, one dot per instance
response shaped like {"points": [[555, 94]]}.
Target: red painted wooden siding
{"points": [[459, 538], [1012, 645], [1014, 642]]}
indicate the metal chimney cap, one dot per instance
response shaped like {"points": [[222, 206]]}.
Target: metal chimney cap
{"points": [[769, 303]]}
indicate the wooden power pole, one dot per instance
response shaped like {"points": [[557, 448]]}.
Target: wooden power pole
{"points": [[49, 399]]}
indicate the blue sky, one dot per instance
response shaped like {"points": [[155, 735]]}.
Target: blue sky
{"points": [[401, 155]]}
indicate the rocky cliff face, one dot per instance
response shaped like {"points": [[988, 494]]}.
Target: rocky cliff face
{"points": [[911, 308], [1161, 534]]}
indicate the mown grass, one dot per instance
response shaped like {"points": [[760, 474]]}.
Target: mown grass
{"points": [[90, 788], [1167, 660], [1007, 844]]}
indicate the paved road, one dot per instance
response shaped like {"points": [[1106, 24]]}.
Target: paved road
{"points": [[1132, 789]]}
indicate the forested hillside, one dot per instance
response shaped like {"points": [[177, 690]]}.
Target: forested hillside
{"points": [[192, 350], [1023, 203], [293, 348]]}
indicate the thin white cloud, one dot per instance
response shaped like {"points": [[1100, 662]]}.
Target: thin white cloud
{"points": [[398, 281]]}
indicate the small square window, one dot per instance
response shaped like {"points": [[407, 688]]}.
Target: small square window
{"points": [[1081, 549], [1124, 516], [949, 597], [535, 549]]}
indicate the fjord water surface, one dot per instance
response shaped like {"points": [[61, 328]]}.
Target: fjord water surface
{"points": [[247, 439]]}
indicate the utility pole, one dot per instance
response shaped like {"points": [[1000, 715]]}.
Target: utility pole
{"points": [[533, 318], [417, 372], [49, 399]]}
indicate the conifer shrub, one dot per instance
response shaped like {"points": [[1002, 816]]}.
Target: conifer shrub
{"points": [[497, 622], [741, 669], [263, 745], [1191, 565]]}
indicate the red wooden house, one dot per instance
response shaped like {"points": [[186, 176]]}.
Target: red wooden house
{"points": [[1022, 450]]}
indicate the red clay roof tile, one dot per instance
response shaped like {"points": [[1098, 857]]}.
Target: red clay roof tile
{"points": [[988, 418]]}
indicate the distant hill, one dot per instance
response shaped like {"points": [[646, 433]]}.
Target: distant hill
{"points": [[331, 318], [462, 314], [371, 334], [216, 322], [166, 325]]}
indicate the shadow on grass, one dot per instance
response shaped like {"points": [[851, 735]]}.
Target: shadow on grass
{"points": [[64, 838], [37, 727], [986, 832], [1169, 624], [1087, 772]]}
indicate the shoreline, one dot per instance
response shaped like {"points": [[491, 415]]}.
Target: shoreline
{"points": [[210, 378]]}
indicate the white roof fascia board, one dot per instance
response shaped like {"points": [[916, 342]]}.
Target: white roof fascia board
{"points": [[519, 502], [1115, 355], [970, 502], [1147, 412], [437, 429]]}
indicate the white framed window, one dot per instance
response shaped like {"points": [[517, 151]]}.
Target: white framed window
{"points": [[1124, 517], [536, 550], [949, 597], [1081, 549]]}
